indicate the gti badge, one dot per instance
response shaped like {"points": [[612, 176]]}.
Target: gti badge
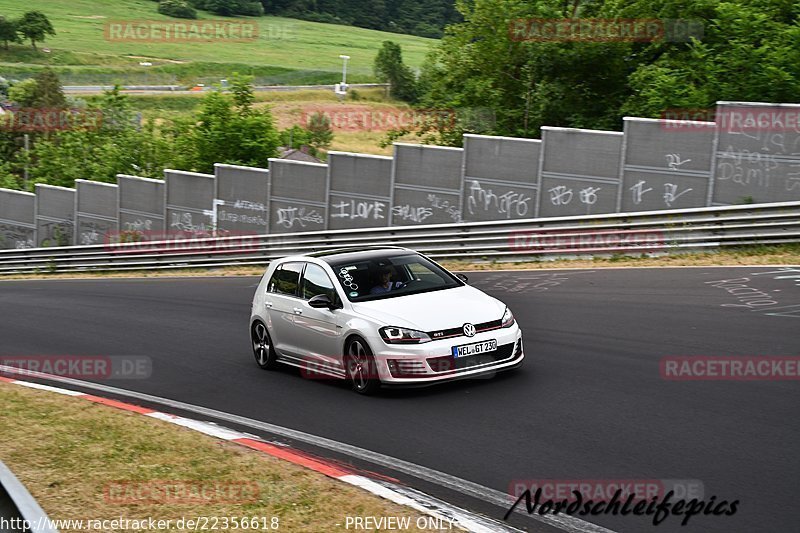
{"points": [[469, 330]]}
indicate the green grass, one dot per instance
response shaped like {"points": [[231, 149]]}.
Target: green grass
{"points": [[67, 452], [287, 50]]}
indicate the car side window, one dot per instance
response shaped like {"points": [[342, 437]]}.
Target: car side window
{"points": [[316, 281], [285, 279]]}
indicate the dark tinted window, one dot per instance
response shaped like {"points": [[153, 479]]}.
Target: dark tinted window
{"points": [[285, 279], [316, 281], [390, 275]]}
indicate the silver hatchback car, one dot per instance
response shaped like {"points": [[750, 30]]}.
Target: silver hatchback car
{"points": [[379, 316]]}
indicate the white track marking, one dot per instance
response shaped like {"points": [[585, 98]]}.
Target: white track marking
{"points": [[462, 486], [48, 388]]}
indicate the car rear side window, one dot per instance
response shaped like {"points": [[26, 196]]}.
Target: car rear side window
{"points": [[316, 281], [285, 279]]}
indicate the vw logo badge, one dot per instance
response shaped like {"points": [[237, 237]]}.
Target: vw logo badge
{"points": [[469, 330]]}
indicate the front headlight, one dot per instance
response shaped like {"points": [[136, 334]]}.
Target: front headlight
{"points": [[508, 319], [395, 335]]}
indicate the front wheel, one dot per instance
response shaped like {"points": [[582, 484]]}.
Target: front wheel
{"points": [[361, 369], [262, 346]]}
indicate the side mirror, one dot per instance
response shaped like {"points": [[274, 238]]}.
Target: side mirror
{"points": [[462, 277], [321, 301]]}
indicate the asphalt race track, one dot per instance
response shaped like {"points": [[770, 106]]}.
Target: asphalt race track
{"points": [[589, 403]]}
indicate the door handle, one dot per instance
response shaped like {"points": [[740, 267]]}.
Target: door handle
{"points": [[268, 304], [298, 311]]}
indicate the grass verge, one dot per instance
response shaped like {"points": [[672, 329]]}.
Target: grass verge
{"points": [[787, 254], [67, 451], [285, 51]]}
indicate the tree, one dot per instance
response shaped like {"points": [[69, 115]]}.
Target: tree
{"points": [[228, 129], [8, 32], [320, 132], [243, 95], [481, 64], [35, 25], [101, 150], [48, 91], [177, 9], [22, 93], [295, 137], [389, 67], [747, 51], [426, 18], [43, 90], [251, 8]]}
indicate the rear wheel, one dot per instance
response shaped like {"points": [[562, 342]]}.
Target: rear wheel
{"points": [[262, 346], [361, 369]]}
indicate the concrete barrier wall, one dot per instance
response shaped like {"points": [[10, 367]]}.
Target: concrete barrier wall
{"points": [[17, 219], [55, 215], [298, 198], [190, 205], [666, 164], [500, 178], [579, 172], [96, 212], [359, 190], [141, 207], [426, 185], [757, 156], [242, 199], [750, 154]]}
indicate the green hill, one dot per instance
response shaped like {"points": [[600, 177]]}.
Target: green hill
{"points": [[286, 51]]}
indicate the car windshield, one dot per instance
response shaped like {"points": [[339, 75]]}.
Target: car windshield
{"points": [[388, 276]]}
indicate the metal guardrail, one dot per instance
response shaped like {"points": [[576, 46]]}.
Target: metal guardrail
{"points": [[652, 232], [22, 506], [69, 89]]}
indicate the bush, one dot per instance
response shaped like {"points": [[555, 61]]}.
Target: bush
{"points": [[250, 9], [227, 8], [325, 18], [177, 8]]}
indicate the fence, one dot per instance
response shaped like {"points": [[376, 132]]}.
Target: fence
{"points": [[655, 232], [750, 154]]}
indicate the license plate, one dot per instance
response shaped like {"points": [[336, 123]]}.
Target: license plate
{"points": [[475, 348]]}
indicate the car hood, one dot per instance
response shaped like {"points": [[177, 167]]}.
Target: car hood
{"points": [[431, 311]]}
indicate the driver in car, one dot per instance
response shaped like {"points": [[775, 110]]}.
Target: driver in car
{"points": [[386, 284]]}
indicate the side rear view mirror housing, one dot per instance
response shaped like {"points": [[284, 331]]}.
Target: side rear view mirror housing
{"points": [[322, 301]]}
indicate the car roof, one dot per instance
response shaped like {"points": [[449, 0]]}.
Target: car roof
{"points": [[354, 253]]}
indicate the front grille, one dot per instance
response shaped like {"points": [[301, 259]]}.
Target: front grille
{"points": [[448, 363], [459, 331]]}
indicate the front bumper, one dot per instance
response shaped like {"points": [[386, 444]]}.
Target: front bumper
{"points": [[433, 362]]}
